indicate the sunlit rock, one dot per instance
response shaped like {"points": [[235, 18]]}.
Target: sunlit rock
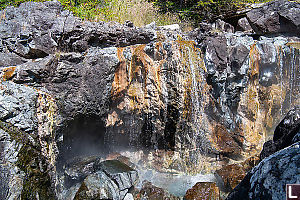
{"points": [[174, 106], [203, 191], [151, 192]]}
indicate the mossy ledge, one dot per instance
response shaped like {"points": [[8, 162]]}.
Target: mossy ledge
{"points": [[37, 181]]}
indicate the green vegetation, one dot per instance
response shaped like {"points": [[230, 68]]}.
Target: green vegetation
{"points": [[140, 12], [33, 163], [5, 3], [199, 10]]}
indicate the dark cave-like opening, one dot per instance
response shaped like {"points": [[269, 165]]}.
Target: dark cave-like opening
{"points": [[84, 136]]}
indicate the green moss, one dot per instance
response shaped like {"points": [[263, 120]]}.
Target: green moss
{"points": [[15, 133], [33, 163]]}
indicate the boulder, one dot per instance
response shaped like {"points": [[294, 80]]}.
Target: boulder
{"points": [[151, 192], [95, 179], [98, 186], [287, 128], [203, 191], [244, 25], [285, 134], [123, 175], [276, 17], [268, 179], [223, 26]]}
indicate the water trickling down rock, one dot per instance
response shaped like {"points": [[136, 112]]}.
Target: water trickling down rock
{"points": [[176, 104]]}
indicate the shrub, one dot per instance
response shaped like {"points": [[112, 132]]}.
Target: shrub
{"points": [[207, 10]]}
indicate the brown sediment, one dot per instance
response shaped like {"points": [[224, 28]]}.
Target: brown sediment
{"points": [[226, 142], [142, 67], [203, 191]]}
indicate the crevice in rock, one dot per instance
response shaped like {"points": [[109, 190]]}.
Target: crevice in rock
{"points": [[31, 54], [82, 137], [147, 132], [94, 41], [170, 128]]}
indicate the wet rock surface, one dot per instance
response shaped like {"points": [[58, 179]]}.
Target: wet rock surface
{"points": [[285, 134], [95, 179], [231, 175], [203, 191], [151, 192], [178, 102], [268, 179], [278, 167]]}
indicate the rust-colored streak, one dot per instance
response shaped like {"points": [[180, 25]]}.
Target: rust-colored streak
{"points": [[143, 71], [8, 73], [294, 44], [120, 80], [254, 61]]}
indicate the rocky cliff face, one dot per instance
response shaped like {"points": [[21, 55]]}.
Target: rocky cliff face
{"points": [[174, 102], [280, 164]]}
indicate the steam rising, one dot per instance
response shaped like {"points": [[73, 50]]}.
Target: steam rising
{"points": [[83, 137]]}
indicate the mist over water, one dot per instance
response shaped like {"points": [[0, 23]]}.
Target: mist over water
{"points": [[83, 137]]}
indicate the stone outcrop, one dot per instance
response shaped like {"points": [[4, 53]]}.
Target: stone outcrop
{"points": [[178, 102], [285, 134], [276, 17], [268, 179], [91, 178], [279, 164], [112, 181], [151, 192], [203, 191]]}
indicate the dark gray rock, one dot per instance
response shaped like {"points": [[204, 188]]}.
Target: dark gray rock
{"points": [[10, 59], [35, 30], [268, 149], [74, 79], [223, 26], [286, 133], [199, 34], [268, 179], [17, 106], [123, 175], [78, 169], [276, 17], [85, 95], [287, 128], [296, 138], [98, 186]]}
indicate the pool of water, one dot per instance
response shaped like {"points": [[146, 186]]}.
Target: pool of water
{"points": [[175, 184]]}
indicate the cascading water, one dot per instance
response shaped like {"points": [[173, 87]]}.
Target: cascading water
{"points": [[199, 138], [81, 104]]}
